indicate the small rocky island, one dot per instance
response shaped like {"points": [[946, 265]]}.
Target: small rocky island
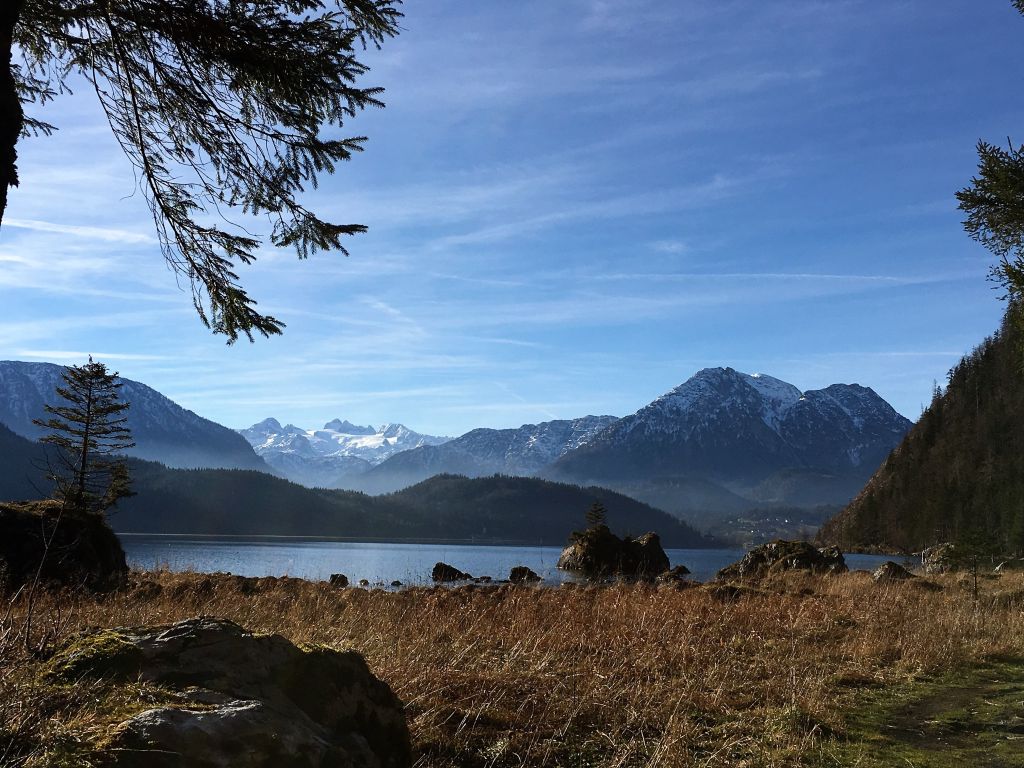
{"points": [[597, 552]]}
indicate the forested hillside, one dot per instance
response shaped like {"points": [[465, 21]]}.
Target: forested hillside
{"points": [[447, 507], [962, 465]]}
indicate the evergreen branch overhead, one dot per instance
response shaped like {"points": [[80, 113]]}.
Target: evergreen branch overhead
{"points": [[225, 108]]}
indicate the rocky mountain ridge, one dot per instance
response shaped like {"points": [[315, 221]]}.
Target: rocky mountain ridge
{"points": [[523, 451], [724, 437]]}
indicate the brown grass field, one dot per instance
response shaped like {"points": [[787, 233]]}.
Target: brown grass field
{"points": [[628, 675]]}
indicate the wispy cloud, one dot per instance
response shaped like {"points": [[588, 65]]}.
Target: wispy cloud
{"points": [[93, 233]]}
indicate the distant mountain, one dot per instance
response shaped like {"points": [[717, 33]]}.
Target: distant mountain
{"points": [[326, 458], [725, 439], [960, 467], [523, 452], [162, 430]]}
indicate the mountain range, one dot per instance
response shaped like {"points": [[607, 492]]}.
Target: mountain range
{"points": [[524, 451], [327, 457], [715, 448], [162, 430]]}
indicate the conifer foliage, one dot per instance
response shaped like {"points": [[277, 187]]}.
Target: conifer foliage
{"points": [[994, 204], [220, 105], [90, 433]]}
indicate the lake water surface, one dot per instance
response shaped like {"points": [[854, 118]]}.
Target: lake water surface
{"points": [[381, 563]]}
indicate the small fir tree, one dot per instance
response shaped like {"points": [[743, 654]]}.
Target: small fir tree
{"points": [[972, 551], [597, 515], [90, 432]]}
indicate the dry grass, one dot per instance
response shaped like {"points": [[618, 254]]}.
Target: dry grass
{"points": [[573, 676]]}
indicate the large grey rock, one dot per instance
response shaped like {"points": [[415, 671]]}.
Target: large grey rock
{"points": [[598, 552], [251, 701], [779, 556]]}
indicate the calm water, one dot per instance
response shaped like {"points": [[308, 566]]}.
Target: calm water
{"points": [[381, 562]]}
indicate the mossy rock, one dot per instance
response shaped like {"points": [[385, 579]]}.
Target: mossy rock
{"points": [[104, 653], [231, 697]]}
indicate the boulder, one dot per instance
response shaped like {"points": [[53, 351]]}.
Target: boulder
{"points": [[675, 575], [599, 552], [83, 550], [523, 575], [247, 701], [779, 556], [889, 572], [938, 559], [339, 580], [444, 573], [396, 583]]}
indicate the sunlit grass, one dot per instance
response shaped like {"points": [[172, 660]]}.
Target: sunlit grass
{"points": [[629, 675]]}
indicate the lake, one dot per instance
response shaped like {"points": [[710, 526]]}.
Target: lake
{"points": [[382, 563]]}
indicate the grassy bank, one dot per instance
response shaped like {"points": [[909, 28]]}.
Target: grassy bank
{"points": [[570, 676]]}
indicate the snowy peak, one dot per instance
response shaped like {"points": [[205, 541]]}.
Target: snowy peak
{"points": [[334, 447], [348, 428], [774, 390]]}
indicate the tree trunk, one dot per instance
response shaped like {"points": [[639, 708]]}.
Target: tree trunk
{"points": [[12, 118]]}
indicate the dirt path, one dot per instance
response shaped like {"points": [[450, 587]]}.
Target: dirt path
{"points": [[974, 719]]}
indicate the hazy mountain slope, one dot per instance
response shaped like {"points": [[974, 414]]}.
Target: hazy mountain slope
{"points": [[163, 431], [522, 451], [724, 438], [961, 466]]}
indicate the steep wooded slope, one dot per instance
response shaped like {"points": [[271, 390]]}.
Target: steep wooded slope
{"points": [[960, 467]]}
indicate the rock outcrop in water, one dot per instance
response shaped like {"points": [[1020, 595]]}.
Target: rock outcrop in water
{"points": [[598, 552], [241, 700], [446, 573]]}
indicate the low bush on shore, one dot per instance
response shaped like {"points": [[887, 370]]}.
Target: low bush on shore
{"points": [[623, 675]]}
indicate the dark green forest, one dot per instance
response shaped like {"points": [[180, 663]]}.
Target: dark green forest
{"points": [[960, 469], [444, 508]]}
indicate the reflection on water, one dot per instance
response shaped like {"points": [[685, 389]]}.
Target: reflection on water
{"points": [[381, 563]]}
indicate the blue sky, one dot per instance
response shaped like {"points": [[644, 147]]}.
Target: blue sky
{"points": [[573, 206]]}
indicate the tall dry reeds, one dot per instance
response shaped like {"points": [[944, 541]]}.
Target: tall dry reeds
{"points": [[629, 675]]}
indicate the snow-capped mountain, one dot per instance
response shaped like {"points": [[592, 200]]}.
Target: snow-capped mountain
{"points": [[521, 451], [326, 457], [753, 436], [162, 430]]}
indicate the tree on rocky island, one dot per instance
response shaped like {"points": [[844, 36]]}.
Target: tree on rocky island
{"points": [[597, 515], [90, 434], [220, 105]]}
